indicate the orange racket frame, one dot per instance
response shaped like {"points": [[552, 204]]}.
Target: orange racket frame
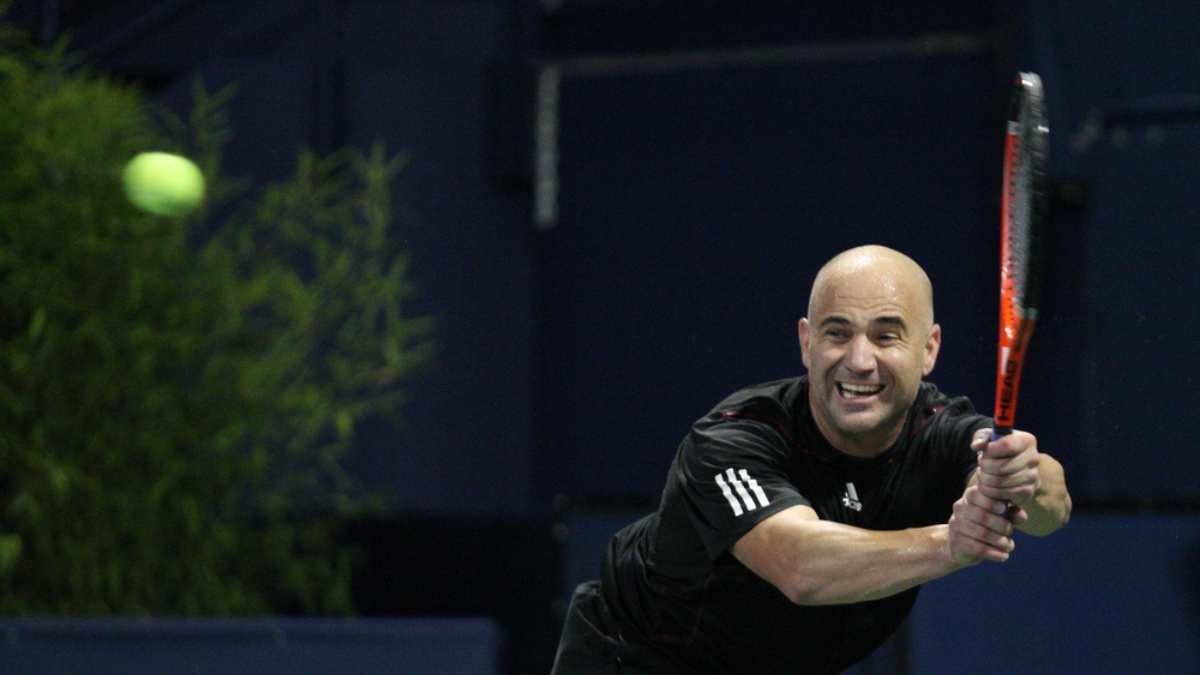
{"points": [[1022, 210]]}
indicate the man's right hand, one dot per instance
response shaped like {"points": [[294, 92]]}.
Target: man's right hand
{"points": [[979, 529]]}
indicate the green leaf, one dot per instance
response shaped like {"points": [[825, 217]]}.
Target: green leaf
{"points": [[344, 422], [10, 552], [37, 324]]}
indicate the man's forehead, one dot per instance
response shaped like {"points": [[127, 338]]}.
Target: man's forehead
{"points": [[866, 286], [878, 293], [869, 272]]}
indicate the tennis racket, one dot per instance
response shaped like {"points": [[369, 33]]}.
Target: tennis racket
{"points": [[1022, 216]]}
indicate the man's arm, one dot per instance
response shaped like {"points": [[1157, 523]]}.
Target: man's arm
{"points": [[817, 562], [1011, 469]]}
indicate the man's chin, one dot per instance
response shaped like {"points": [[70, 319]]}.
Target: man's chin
{"points": [[862, 417], [861, 424], [858, 428]]}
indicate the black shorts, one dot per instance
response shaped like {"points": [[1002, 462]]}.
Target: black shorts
{"points": [[591, 642]]}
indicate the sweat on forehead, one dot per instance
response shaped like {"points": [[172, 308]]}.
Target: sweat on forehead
{"points": [[870, 269]]}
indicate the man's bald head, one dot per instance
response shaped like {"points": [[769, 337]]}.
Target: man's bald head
{"points": [[868, 340], [873, 266]]}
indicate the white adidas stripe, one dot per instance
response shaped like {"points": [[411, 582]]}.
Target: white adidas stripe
{"points": [[758, 491], [733, 503], [740, 480], [741, 489]]}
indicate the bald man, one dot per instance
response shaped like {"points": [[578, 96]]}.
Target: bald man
{"points": [[800, 516]]}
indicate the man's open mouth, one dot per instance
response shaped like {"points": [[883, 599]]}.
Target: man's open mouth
{"points": [[849, 390]]}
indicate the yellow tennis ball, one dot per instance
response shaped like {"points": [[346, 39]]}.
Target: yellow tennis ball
{"points": [[162, 183]]}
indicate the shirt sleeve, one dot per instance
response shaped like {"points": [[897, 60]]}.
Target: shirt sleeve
{"points": [[950, 433], [731, 476]]}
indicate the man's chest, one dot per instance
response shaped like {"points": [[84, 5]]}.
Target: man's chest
{"points": [[886, 496]]}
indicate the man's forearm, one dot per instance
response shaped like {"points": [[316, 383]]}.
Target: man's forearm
{"points": [[825, 563], [847, 564]]}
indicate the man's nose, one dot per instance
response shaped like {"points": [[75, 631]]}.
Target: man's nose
{"points": [[861, 355]]}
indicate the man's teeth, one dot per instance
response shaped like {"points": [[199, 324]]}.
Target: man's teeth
{"points": [[859, 389]]}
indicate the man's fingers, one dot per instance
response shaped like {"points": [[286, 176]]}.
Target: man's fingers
{"points": [[1002, 449], [965, 546], [988, 520], [1017, 494], [1008, 481], [978, 551], [987, 536], [1006, 446], [980, 440], [983, 519], [978, 529], [1018, 515], [975, 496], [1009, 465]]}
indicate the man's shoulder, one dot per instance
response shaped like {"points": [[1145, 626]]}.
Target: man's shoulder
{"points": [[932, 401], [771, 403], [776, 393], [936, 414]]}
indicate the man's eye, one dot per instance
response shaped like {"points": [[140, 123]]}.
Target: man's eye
{"points": [[888, 337], [837, 334]]}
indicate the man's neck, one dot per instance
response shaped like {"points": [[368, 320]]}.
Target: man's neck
{"points": [[866, 446]]}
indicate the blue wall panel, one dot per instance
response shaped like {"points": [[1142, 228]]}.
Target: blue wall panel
{"points": [[417, 78], [1107, 594], [234, 646], [1125, 114], [698, 205], [1136, 343]]}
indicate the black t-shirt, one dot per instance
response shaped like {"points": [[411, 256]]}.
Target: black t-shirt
{"points": [[672, 582]]}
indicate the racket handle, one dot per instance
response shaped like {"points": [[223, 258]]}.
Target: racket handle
{"points": [[999, 432]]}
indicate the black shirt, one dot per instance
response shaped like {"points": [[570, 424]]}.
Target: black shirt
{"points": [[672, 582]]}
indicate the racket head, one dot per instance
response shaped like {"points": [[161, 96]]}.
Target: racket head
{"points": [[1023, 207]]}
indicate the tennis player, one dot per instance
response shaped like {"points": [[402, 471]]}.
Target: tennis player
{"points": [[800, 517]]}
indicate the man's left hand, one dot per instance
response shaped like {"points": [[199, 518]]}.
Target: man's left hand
{"points": [[1008, 466]]}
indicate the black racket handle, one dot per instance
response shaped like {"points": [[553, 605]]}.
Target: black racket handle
{"points": [[997, 434]]}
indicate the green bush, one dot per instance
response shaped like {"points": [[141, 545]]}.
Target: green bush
{"points": [[176, 395]]}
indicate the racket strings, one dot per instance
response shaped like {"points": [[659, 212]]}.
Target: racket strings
{"points": [[1025, 192]]}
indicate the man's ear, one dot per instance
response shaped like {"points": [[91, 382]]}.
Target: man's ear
{"points": [[802, 330], [932, 345]]}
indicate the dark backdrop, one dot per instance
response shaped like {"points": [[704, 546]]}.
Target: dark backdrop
{"points": [[695, 210], [703, 170], [705, 167]]}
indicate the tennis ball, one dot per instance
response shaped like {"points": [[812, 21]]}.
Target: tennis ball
{"points": [[162, 183]]}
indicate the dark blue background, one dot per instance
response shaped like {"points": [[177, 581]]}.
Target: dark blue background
{"points": [[695, 204]]}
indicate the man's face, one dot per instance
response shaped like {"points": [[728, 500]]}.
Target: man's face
{"points": [[867, 344]]}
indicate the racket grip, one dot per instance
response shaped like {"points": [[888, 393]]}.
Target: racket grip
{"points": [[999, 432]]}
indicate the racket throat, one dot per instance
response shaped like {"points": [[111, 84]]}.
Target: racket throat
{"points": [[1009, 365]]}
